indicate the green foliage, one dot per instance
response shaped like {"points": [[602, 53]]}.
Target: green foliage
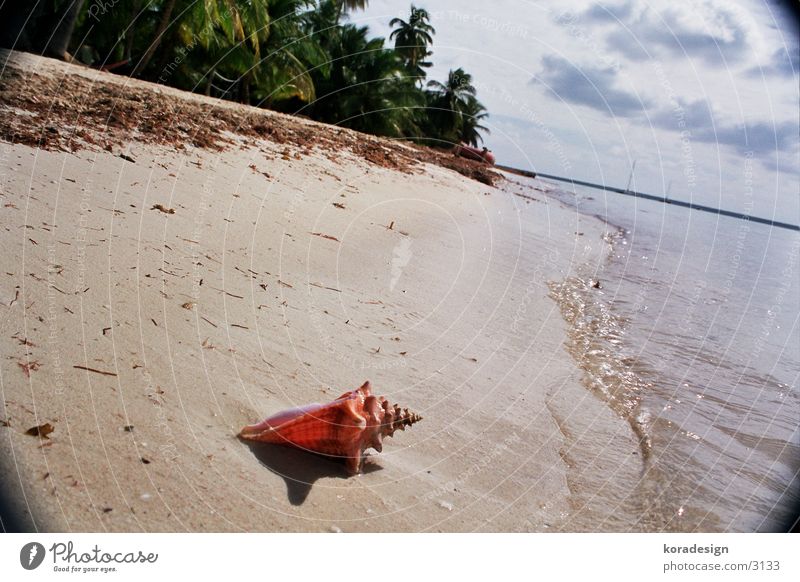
{"points": [[472, 114], [366, 88], [292, 55], [454, 109], [412, 40]]}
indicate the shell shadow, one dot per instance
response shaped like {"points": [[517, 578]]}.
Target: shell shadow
{"points": [[301, 469]]}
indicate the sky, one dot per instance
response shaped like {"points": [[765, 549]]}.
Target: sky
{"points": [[701, 94]]}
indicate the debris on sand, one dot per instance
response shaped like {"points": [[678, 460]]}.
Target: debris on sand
{"points": [[41, 431], [111, 108], [327, 236], [163, 209], [28, 367], [95, 370]]}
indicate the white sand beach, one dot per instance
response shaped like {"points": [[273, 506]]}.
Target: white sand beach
{"points": [[156, 299]]}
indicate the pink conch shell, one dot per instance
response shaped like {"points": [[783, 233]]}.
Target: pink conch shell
{"points": [[345, 428]]}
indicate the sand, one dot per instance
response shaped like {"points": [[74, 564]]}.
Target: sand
{"points": [[153, 304]]}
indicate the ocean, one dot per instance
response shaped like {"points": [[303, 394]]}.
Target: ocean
{"points": [[689, 331]]}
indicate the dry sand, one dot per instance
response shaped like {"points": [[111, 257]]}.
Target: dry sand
{"points": [[151, 308]]}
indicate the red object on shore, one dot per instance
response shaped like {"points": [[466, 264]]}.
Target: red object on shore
{"points": [[481, 155], [345, 428]]}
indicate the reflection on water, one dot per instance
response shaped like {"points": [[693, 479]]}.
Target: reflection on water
{"points": [[595, 339], [690, 333]]}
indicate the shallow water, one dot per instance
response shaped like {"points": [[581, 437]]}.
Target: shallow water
{"points": [[692, 337]]}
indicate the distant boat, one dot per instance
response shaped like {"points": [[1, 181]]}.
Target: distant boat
{"points": [[481, 155]]}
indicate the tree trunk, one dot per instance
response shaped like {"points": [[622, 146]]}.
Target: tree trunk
{"points": [[131, 32], [151, 50], [210, 82], [59, 41], [245, 81]]}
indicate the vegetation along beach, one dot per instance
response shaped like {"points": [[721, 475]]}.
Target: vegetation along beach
{"points": [[217, 214]]}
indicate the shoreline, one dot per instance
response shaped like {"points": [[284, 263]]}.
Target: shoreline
{"points": [[622, 352], [164, 303]]}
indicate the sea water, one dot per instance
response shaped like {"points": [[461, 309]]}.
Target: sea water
{"points": [[689, 331]]}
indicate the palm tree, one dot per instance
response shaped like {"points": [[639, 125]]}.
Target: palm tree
{"points": [[457, 89], [279, 54], [471, 116], [365, 88], [214, 25], [412, 40], [164, 21], [290, 56], [251, 50], [224, 38], [454, 110], [348, 5]]}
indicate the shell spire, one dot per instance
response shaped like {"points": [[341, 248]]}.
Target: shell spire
{"points": [[344, 428]]}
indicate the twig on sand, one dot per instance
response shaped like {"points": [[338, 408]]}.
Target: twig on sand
{"points": [[327, 236], [227, 293], [324, 287], [27, 367], [95, 370]]}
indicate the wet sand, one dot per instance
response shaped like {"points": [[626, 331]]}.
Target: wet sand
{"points": [[155, 300]]}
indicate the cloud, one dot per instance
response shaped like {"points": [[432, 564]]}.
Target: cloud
{"points": [[785, 62], [599, 13], [684, 115], [631, 46], [761, 138], [589, 86], [714, 34]]}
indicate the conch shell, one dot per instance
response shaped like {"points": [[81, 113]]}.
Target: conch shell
{"points": [[345, 428]]}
